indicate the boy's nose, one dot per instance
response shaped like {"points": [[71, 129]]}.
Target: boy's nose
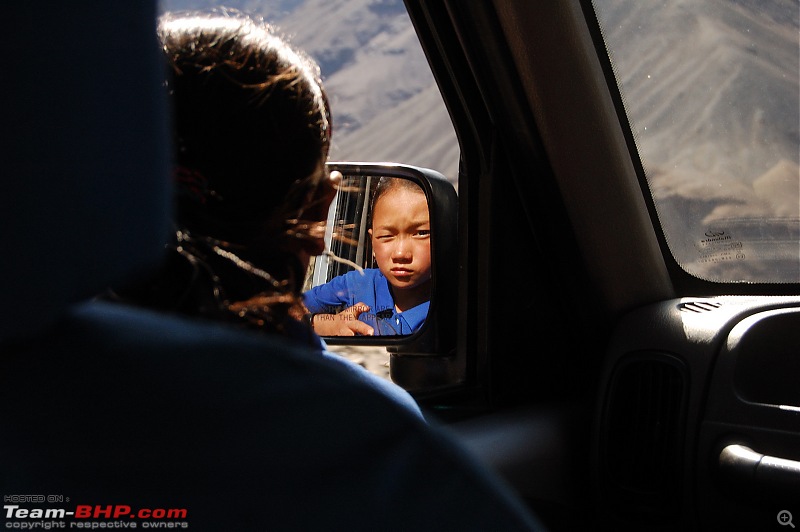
{"points": [[402, 250]]}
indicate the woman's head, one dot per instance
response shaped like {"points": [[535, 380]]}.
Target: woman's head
{"points": [[401, 239], [252, 127], [251, 131]]}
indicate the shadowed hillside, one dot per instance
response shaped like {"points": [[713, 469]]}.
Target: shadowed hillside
{"points": [[712, 93]]}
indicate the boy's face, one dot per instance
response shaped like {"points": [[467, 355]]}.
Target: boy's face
{"points": [[401, 233]]}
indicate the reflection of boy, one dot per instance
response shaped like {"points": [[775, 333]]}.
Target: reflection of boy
{"points": [[394, 298], [366, 298]]}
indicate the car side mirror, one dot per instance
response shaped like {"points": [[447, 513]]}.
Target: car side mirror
{"points": [[374, 262]]}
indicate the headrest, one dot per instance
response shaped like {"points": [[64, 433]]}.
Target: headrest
{"points": [[85, 199]]}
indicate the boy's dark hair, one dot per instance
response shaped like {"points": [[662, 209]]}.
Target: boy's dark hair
{"points": [[385, 184]]}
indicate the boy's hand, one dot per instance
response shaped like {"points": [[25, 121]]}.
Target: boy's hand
{"points": [[344, 323]]}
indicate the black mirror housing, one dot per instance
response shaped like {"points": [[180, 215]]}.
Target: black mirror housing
{"points": [[427, 358]]}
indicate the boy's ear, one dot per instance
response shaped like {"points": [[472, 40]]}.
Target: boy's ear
{"points": [[370, 232]]}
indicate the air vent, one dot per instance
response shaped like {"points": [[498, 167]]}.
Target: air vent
{"points": [[644, 432], [698, 306]]}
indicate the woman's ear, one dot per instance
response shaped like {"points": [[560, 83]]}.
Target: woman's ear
{"points": [[320, 197], [314, 215]]}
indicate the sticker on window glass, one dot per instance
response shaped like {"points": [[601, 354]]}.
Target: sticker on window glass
{"points": [[719, 246]]}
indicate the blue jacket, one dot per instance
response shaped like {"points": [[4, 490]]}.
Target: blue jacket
{"points": [[372, 289]]}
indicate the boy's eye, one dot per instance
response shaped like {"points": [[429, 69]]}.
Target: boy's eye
{"points": [[423, 233]]}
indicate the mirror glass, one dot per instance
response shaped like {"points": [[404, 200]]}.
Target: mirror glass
{"points": [[375, 279]]}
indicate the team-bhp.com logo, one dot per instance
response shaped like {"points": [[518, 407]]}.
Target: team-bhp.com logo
{"points": [[89, 516]]}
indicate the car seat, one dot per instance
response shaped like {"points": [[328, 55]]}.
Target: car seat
{"points": [[85, 198]]}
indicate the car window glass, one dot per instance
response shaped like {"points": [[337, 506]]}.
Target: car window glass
{"points": [[384, 100], [712, 92]]}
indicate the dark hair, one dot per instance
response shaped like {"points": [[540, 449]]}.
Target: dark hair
{"points": [[252, 123], [385, 184], [251, 132]]}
